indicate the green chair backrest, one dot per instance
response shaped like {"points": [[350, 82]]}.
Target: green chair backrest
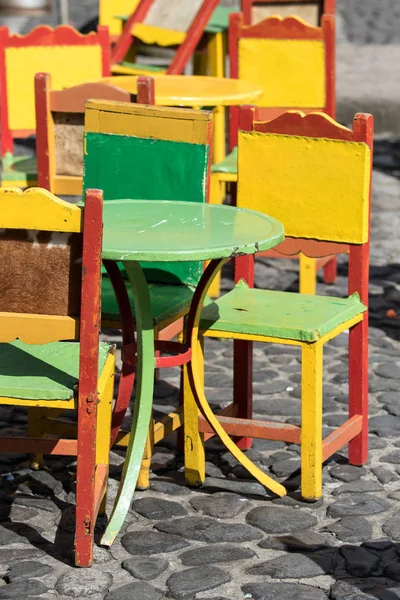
{"points": [[149, 153]]}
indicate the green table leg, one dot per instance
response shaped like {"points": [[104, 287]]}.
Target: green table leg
{"points": [[145, 367]]}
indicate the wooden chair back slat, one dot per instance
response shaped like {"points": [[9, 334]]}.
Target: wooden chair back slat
{"points": [[310, 11], [42, 247], [60, 127], [150, 153], [69, 56], [311, 173]]}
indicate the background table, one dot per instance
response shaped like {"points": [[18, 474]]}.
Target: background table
{"points": [[197, 91], [137, 230]]}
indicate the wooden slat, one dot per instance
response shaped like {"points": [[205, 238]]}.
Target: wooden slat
{"points": [[229, 411], [341, 436], [38, 446], [100, 486], [256, 429]]}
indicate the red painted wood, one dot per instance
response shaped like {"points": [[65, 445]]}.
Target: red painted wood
{"points": [[330, 271], [311, 125], [145, 90], [64, 35], [42, 91], [181, 354], [312, 248], [7, 144], [38, 446], [326, 6], [358, 339], [256, 429], [341, 436], [127, 376], [104, 40], [243, 386], [125, 40], [194, 34], [329, 35], [88, 377], [228, 411]]}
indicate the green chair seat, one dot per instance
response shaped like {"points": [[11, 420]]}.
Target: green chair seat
{"points": [[42, 372], [18, 170], [219, 22], [145, 68], [284, 315], [228, 165], [166, 300]]}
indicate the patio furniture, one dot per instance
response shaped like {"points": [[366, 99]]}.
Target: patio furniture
{"points": [[50, 354], [70, 57], [325, 170], [138, 233], [60, 127]]}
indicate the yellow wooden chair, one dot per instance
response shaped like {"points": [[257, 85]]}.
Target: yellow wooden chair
{"points": [[325, 171], [294, 63], [50, 355], [66, 54]]}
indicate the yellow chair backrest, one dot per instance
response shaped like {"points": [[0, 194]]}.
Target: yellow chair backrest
{"points": [[289, 67], [70, 57], [317, 185], [110, 9]]}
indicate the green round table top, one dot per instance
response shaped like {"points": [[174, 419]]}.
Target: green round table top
{"points": [[158, 230]]}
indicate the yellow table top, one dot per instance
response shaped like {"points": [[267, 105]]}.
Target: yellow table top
{"points": [[193, 90]]}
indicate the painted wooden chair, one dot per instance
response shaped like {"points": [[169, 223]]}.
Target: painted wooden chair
{"points": [[310, 11], [110, 10], [176, 24], [295, 64], [70, 57], [60, 128], [326, 171], [50, 354], [158, 153]]}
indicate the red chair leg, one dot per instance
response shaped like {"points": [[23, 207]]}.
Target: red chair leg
{"points": [[85, 483], [358, 389], [330, 271], [243, 385]]}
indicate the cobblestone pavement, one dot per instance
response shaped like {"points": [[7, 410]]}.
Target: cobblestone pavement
{"points": [[230, 539]]}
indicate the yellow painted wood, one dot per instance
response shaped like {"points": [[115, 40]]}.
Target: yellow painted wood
{"points": [[195, 458], [170, 423], [216, 58], [68, 65], [195, 371], [308, 275], [36, 208], [150, 34], [291, 72], [37, 329], [135, 70], [143, 482], [149, 122], [108, 11], [67, 185], [19, 183], [341, 328], [311, 421], [325, 182], [64, 404], [104, 410], [227, 335]]}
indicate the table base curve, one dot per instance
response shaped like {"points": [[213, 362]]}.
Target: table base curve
{"points": [[197, 386]]}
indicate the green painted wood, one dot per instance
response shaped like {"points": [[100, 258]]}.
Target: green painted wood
{"points": [[228, 165], [284, 315], [219, 21], [144, 67], [166, 301], [18, 168], [182, 231], [42, 372], [143, 402], [129, 167]]}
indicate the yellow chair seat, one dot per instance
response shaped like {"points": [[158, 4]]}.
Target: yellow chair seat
{"points": [[42, 372], [282, 315]]}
